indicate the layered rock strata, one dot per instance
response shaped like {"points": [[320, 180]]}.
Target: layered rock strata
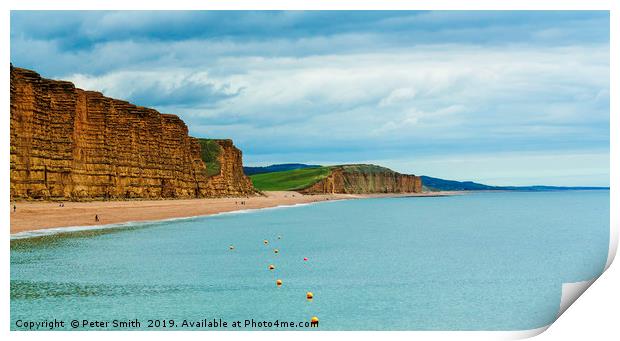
{"points": [[360, 179], [72, 144]]}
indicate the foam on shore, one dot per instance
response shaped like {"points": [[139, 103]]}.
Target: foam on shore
{"points": [[70, 229]]}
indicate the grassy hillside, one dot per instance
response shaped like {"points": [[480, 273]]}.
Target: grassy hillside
{"points": [[276, 168], [209, 152], [289, 180], [296, 179], [295, 176]]}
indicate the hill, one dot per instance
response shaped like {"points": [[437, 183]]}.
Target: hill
{"points": [[364, 178], [356, 178], [437, 184], [289, 180], [276, 168]]}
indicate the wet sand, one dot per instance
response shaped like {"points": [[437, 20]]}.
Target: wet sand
{"points": [[31, 216]]}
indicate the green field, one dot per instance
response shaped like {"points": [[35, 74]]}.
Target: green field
{"points": [[289, 180]]}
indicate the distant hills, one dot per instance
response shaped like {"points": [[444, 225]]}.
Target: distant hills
{"points": [[304, 178], [437, 184], [276, 168]]}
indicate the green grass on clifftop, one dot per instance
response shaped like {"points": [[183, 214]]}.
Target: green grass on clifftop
{"points": [[209, 152], [365, 169], [289, 180]]}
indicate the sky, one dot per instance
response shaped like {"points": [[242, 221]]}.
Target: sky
{"points": [[503, 98]]}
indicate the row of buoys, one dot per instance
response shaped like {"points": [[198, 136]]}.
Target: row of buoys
{"points": [[309, 295]]}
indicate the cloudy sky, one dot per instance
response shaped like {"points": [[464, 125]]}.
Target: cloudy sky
{"points": [[497, 97]]}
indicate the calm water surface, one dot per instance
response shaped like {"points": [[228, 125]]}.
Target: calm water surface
{"points": [[488, 261]]}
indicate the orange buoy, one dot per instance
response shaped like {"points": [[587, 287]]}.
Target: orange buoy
{"points": [[314, 321], [309, 295], [271, 266], [278, 282], [276, 250]]}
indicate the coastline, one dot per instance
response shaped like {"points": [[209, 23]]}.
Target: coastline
{"points": [[51, 217]]}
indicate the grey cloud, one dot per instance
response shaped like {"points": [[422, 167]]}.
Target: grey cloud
{"points": [[189, 94], [298, 84]]}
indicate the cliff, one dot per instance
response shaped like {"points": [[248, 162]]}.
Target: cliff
{"points": [[226, 176], [71, 144], [358, 179]]}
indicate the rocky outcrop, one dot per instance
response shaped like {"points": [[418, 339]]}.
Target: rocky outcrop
{"points": [[229, 179], [358, 179], [71, 144]]}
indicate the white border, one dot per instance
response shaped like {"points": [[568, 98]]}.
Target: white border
{"points": [[607, 291], [318, 5]]}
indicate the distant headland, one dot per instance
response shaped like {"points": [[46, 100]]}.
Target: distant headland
{"points": [[298, 176]]}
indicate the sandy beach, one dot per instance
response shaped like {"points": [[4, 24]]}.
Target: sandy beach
{"points": [[30, 216]]}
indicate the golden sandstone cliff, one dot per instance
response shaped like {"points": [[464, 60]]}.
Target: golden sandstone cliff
{"points": [[72, 144], [358, 179]]}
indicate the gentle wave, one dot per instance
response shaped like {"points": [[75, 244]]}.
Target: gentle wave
{"points": [[68, 229]]}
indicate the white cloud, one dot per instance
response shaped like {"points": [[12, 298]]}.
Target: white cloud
{"points": [[397, 96], [497, 97], [494, 87], [555, 168], [301, 86]]}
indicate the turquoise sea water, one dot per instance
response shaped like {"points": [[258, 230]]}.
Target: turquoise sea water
{"points": [[487, 261]]}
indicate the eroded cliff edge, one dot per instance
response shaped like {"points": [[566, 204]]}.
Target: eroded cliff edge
{"points": [[72, 144], [361, 179]]}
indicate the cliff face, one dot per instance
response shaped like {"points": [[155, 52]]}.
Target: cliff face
{"points": [[71, 144], [229, 180], [358, 179]]}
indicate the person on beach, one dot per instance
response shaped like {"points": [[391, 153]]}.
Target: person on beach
{"points": [[14, 207], [96, 218]]}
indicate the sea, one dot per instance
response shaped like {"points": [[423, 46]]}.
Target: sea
{"points": [[479, 261]]}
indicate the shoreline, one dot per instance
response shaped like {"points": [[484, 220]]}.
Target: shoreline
{"points": [[33, 219]]}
